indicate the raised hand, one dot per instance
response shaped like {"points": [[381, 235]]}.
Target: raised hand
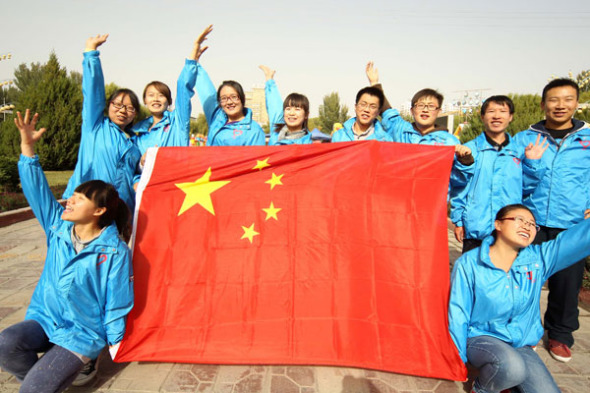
{"points": [[28, 134], [464, 155], [534, 152], [268, 73], [93, 43], [372, 73], [198, 48]]}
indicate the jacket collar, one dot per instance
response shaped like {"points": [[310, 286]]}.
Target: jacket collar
{"points": [[108, 239]]}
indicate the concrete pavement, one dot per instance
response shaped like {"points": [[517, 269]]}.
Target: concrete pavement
{"points": [[22, 251]]}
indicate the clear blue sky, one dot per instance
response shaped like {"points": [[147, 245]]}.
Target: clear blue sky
{"points": [[316, 46]]}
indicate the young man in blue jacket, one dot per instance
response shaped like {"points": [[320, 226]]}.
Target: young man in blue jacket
{"points": [[365, 125], [561, 200], [496, 179]]}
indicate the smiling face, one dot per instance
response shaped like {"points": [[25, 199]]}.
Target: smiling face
{"points": [[496, 118], [425, 111], [156, 102], [121, 110], [517, 228], [559, 105], [230, 102], [367, 109], [81, 210]]}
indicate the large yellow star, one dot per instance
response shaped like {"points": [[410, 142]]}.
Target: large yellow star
{"points": [[261, 164], [199, 192], [271, 212], [274, 180], [249, 233]]}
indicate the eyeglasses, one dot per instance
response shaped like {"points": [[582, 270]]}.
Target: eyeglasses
{"points": [[232, 98], [363, 105], [429, 107], [522, 222], [118, 106]]}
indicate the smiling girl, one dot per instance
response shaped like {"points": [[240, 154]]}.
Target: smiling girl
{"points": [[494, 307], [85, 292]]}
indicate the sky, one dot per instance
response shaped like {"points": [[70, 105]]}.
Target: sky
{"points": [[316, 46]]}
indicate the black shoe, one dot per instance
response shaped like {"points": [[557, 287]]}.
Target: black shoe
{"points": [[87, 373]]}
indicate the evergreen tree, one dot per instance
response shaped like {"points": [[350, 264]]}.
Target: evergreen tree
{"points": [[331, 112]]}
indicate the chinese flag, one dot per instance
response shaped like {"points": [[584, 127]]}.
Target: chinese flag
{"points": [[332, 254]]}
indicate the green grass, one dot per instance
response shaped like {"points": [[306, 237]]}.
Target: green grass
{"points": [[58, 180]]}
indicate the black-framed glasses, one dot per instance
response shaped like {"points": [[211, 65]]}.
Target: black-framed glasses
{"points": [[232, 98], [429, 107], [118, 106], [521, 221]]}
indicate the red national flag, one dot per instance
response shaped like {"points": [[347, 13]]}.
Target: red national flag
{"points": [[305, 254]]}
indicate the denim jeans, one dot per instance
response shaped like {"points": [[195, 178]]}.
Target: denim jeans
{"points": [[53, 372], [501, 366]]}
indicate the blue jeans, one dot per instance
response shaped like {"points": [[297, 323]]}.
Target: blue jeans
{"points": [[501, 366], [53, 372]]}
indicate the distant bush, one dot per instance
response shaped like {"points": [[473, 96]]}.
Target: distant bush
{"points": [[9, 179]]}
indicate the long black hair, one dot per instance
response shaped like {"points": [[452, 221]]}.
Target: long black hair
{"points": [[105, 195]]}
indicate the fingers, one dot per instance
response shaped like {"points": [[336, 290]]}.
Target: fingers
{"points": [[204, 34], [538, 139], [586, 214]]}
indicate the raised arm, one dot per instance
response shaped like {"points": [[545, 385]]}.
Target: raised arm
{"points": [[274, 104], [533, 169], [92, 84], [34, 184], [373, 76], [185, 89]]}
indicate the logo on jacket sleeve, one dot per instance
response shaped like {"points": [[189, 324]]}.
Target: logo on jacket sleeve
{"points": [[517, 160]]}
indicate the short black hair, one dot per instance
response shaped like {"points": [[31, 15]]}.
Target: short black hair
{"points": [[500, 100], [372, 91], [427, 93], [559, 83]]}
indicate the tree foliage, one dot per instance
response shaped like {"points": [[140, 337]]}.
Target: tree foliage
{"points": [[57, 97], [199, 126], [331, 112]]}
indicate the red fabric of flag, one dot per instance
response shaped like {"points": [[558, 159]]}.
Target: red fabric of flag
{"points": [[333, 254]]}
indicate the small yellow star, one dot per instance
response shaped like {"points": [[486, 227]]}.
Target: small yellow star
{"points": [[271, 212], [274, 180], [199, 192], [249, 233], [261, 164]]}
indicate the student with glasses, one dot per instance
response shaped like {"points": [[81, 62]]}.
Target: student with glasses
{"points": [[287, 119], [494, 306], [365, 125], [230, 122], [106, 151]]}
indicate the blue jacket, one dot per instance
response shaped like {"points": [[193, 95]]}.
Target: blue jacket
{"points": [[245, 132], [402, 131], [274, 107], [106, 152], [564, 190], [81, 300], [495, 181], [174, 128], [487, 301], [346, 134]]}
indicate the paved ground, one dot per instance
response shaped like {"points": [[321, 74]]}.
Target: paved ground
{"points": [[22, 250]]}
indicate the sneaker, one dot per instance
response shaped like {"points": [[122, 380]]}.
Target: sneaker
{"points": [[559, 351], [87, 373]]}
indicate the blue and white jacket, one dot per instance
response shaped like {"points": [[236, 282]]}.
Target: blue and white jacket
{"points": [[496, 180], [487, 301], [106, 152], [81, 300], [346, 134], [563, 193], [245, 132], [402, 131]]}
